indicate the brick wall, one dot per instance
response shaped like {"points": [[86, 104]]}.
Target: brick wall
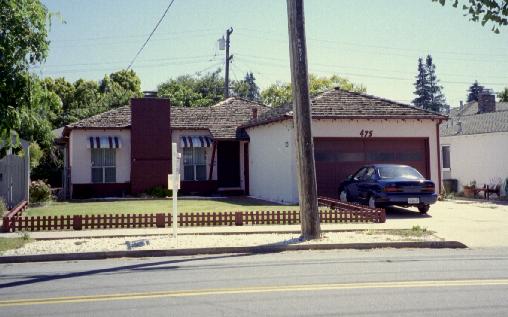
{"points": [[150, 142]]}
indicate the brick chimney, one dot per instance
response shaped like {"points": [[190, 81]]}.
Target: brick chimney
{"points": [[150, 143], [486, 102]]}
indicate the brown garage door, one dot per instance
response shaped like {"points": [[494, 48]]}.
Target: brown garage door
{"points": [[336, 158]]}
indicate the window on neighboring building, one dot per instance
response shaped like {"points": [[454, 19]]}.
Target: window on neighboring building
{"points": [[103, 165], [194, 164], [445, 151]]}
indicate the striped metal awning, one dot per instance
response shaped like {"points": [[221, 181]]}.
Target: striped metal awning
{"points": [[195, 141], [104, 142]]}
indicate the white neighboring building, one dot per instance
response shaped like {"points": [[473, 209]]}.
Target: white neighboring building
{"points": [[474, 143]]}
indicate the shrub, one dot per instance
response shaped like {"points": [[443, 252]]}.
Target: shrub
{"points": [[3, 207], [159, 191], [40, 192], [35, 155]]}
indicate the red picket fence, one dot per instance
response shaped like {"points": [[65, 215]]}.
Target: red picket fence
{"points": [[377, 215], [160, 220], [335, 212]]}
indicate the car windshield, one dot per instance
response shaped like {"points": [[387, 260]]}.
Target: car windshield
{"points": [[386, 172]]}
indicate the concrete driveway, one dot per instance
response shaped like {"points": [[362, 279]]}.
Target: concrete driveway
{"points": [[474, 223]]}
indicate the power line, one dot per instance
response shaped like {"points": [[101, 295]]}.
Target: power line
{"points": [[314, 69], [278, 37], [286, 61], [151, 33], [207, 57]]}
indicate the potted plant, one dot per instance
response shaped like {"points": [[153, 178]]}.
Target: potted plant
{"points": [[469, 189]]}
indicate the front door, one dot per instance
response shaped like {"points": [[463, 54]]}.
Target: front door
{"points": [[228, 163]]}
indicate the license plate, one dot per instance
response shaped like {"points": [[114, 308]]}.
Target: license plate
{"points": [[413, 200]]}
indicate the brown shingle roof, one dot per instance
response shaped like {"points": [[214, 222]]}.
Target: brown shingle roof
{"points": [[338, 103], [223, 119], [116, 118]]}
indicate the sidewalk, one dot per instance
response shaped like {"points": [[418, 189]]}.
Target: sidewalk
{"points": [[222, 230]]}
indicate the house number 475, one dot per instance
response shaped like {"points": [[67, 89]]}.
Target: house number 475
{"points": [[366, 133]]}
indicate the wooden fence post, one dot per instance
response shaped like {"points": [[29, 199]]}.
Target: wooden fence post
{"points": [[6, 226], [159, 220], [77, 222], [238, 218]]}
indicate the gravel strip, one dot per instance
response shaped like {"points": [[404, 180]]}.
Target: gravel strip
{"points": [[199, 241]]}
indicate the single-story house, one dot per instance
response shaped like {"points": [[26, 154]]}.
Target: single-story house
{"points": [[474, 143], [240, 146]]}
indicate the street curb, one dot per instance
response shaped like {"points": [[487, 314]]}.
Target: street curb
{"points": [[223, 250]]}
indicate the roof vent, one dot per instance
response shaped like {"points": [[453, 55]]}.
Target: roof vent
{"points": [[254, 113], [458, 128], [150, 94]]}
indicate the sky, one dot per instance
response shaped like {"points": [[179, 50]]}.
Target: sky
{"points": [[376, 43]]}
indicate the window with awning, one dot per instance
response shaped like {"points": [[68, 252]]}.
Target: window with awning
{"points": [[104, 142], [195, 141]]}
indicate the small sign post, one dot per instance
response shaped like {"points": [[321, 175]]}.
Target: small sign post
{"points": [[174, 185]]}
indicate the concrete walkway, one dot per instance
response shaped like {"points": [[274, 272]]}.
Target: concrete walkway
{"points": [[474, 223]]}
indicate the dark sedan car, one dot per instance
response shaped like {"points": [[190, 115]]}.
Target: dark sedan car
{"points": [[383, 185]]}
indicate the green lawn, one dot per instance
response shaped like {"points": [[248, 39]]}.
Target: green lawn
{"points": [[13, 243], [155, 205]]}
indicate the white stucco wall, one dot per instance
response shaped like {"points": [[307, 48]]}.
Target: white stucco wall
{"points": [[80, 155], [273, 165], [272, 172], [478, 157]]}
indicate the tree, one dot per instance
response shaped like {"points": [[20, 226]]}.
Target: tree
{"points": [[474, 91], [427, 89], [437, 99], [36, 120], [503, 95], [422, 90], [280, 93], [247, 88], [194, 90], [484, 11], [119, 87], [23, 42]]}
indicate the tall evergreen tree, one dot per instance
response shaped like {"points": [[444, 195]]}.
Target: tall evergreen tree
{"points": [[253, 91], [474, 91], [437, 100], [503, 95], [246, 88], [422, 91], [427, 89]]}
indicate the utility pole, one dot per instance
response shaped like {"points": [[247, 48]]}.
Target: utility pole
{"points": [[228, 60], [307, 188]]}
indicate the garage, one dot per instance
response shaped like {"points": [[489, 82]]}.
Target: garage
{"points": [[337, 158], [350, 130]]}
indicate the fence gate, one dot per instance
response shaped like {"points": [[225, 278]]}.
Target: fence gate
{"points": [[13, 179]]}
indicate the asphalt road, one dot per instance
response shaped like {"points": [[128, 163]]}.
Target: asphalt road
{"points": [[332, 283]]}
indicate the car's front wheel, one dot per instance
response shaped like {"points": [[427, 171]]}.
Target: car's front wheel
{"points": [[343, 196], [423, 209]]}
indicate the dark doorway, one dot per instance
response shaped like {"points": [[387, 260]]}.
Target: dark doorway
{"points": [[228, 163]]}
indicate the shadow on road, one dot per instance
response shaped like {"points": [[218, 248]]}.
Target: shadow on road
{"points": [[159, 265], [403, 213]]}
